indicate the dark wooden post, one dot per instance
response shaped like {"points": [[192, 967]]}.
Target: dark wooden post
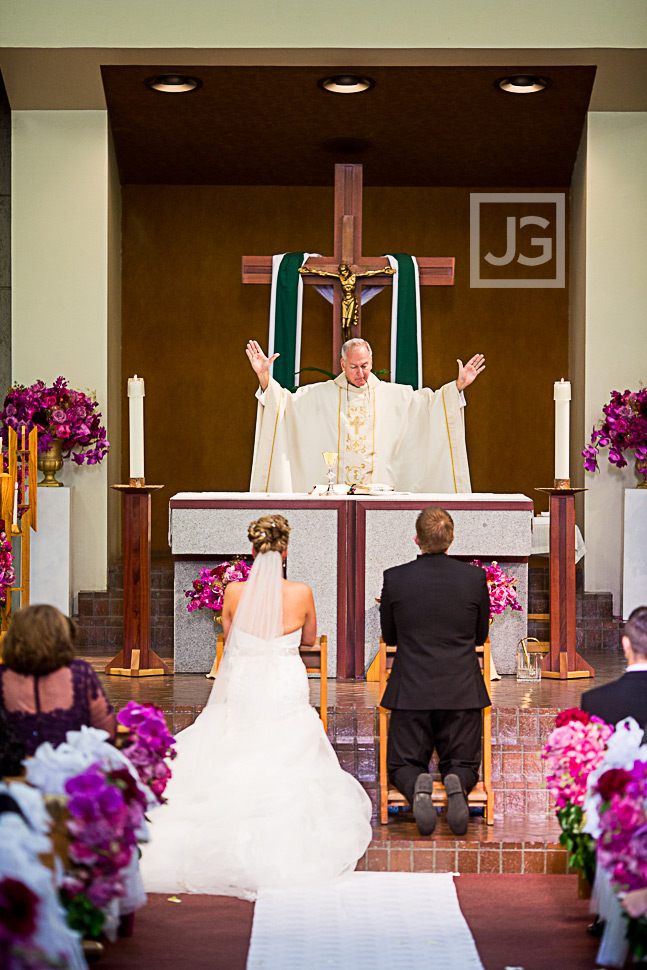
{"points": [[136, 659], [563, 662]]}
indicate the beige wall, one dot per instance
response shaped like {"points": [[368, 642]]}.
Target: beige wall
{"points": [[616, 319], [289, 23], [59, 284]]}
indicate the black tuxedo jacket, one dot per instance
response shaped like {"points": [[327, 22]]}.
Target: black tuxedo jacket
{"points": [[626, 697], [435, 609]]}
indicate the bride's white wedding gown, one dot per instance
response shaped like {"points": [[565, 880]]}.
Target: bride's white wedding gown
{"points": [[257, 798]]}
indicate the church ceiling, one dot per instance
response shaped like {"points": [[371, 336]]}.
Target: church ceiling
{"points": [[419, 126]]}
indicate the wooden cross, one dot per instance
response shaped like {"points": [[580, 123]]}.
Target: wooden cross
{"points": [[434, 270]]}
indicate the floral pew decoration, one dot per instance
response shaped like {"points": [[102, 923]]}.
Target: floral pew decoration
{"points": [[101, 804], [616, 818], [34, 934], [148, 745], [575, 748]]}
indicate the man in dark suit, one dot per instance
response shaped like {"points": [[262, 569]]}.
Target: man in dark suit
{"points": [[626, 697], [436, 610]]}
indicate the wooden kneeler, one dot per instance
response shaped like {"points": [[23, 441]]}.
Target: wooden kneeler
{"points": [[315, 658], [481, 795]]}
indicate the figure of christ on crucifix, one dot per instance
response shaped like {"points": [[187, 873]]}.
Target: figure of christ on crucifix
{"points": [[348, 280], [385, 433]]}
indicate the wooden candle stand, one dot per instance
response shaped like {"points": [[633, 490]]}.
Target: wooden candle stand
{"points": [[563, 662], [136, 659]]}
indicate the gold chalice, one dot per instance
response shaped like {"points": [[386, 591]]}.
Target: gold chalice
{"points": [[330, 458]]}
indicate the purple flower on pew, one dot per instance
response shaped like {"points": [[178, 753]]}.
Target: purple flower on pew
{"points": [[149, 745]]}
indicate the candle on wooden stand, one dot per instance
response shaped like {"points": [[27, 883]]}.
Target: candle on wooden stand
{"points": [[136, 426], [562, 397]]}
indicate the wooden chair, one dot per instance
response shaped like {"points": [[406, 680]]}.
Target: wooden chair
{"points": [[481, 795], [315, 658]]}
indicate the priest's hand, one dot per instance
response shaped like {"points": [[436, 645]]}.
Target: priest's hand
{"points": [[260, 363], [470, 371]]}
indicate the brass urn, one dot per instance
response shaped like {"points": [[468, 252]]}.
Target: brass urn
{"points": [[50, 462]]}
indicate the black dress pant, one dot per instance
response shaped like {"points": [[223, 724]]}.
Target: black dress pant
{"points": [[413, 735]]}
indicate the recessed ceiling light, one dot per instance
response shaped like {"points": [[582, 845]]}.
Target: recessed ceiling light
{"points": [[346, 84], [522, 84], [173, 83]]}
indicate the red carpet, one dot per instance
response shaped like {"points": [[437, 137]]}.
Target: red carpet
{"points": [[531, 921]]}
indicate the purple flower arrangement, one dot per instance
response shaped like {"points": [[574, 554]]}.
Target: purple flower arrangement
{"points": [[501, 587], [106, 809], [575, 748], [208, 590], [623, 427], [149, 745], [59, 413], [7, 574]]}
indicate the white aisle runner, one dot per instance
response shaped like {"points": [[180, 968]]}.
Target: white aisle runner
{"points": [[364, 921]]}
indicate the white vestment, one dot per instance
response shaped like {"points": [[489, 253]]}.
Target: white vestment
{"points": [[384, 433]]}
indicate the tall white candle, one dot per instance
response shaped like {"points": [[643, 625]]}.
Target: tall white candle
{"points": [[562, 397], [136, 425]]}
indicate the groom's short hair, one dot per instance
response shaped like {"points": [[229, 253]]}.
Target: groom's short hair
{"points": [[435, 530]]}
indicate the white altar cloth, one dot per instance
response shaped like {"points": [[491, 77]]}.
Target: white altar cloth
{"points": [[541, 537]]}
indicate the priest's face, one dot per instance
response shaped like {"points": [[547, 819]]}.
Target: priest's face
{"points": [[357, 366]]}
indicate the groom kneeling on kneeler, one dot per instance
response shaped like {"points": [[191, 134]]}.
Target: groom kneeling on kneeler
{"points": [[436, 610]]}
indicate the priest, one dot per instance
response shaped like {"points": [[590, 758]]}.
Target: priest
{"points": [[385, 434]]}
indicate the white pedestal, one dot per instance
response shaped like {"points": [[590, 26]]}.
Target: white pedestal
{"points": [[634, 584], [50, 550]]}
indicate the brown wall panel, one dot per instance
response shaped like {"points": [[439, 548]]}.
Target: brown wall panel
{"points": [[187, 318]]}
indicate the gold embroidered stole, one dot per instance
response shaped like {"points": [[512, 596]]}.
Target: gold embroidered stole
{"points": [[356, 441]]}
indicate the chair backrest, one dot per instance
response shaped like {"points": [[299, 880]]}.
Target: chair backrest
{"points": [[386, 655]]}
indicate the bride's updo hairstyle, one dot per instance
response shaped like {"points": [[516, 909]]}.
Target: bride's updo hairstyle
{"points": [[270, 533]]}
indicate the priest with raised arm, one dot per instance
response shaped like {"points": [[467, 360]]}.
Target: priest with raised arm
{"points": [[385, 434]]}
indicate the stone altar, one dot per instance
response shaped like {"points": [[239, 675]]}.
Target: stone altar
{"points": [[340, 547]]}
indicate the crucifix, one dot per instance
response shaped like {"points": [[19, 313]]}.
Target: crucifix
{"points": [[434, 270]]}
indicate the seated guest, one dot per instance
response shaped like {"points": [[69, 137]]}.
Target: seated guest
{"points": [[436, 610], [44, 691], [627, 696]]}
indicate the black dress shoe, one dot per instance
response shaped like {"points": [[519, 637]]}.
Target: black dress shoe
{"points": [[458, 813], [424, 810], [596, 928]]}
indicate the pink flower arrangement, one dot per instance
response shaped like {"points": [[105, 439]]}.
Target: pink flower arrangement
{"points": [[149, 745], [501, 587], [623, 427], [7, 574], [106, 809], [59, 413], [622, 845], [575, 748], [208, 591]]}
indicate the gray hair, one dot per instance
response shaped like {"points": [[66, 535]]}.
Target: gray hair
{"points": [[355, 343]]}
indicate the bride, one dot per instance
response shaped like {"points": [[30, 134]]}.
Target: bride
{"points": [[257, 798]]}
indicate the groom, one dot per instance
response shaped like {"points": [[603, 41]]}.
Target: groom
{"points": [[436, 610]]}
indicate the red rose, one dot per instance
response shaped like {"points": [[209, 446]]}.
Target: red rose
{"points": [[571, 714], [612, 782]]}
